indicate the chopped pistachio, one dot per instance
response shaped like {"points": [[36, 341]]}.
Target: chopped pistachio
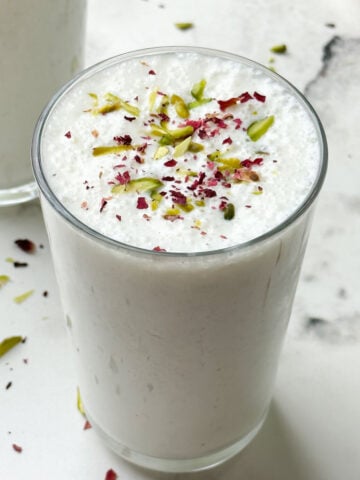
{"points": [[24, 296], [229, 211], [157, 130], [111, 149], [180, 106], [257, 129], [200, 203], [279, 48], [160, 152], [229, 163], [172, 212], [166, 140], [4, 279], [95, 99], [198, 103], [138, 185], [197, 90], [214, 156], [152, 100], [181, 132], [79, 403], [115, 100], [182, 147], [9, 343], [184, 25], [195, 147], [9, 260], [188, 207]]}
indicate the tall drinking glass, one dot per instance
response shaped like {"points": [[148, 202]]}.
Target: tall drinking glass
{"points": [[176, 353], [41, 47]]}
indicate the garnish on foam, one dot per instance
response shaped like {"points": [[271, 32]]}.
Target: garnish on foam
{"points": [[175, 134]]}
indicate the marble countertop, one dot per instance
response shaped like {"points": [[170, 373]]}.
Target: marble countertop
{"points": [[313, 429]]}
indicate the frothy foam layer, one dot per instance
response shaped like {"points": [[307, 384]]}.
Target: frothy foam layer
{"points": [[180, 152]]}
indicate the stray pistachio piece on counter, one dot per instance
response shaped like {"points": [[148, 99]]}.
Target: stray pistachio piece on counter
{"points": [[24, 296], [9, 343], [4, 279], [282, 48], [184, 25], [79, 402], [257, 129]]}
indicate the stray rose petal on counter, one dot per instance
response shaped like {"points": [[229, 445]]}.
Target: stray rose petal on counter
{"points": [[26, 245]]}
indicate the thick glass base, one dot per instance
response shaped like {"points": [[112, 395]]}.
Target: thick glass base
{"points": [[16, 195], [178, 465]]}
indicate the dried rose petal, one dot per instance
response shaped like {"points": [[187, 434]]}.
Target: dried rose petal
{"points": [[142, 203], [17, 448], [227, 140], [111, 475], [87, 425], [68, 134], [159, 249], [151, 72], [26, 245], [259, 97], [170, 163]]}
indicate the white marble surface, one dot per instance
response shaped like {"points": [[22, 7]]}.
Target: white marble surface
{"points": [[313, 430]]}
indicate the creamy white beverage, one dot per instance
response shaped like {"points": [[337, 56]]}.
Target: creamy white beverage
{"points": [[41, 47], [177, 187]]}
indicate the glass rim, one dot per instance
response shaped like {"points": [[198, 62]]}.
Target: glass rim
{"points": [[50, 196]]}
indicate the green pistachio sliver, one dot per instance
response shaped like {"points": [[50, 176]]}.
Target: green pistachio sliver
{"points": [[152, 100], [195, 147], [157, 130], [282, 48], [229, 163], [200, 203], [188, 207], [79, 403], [166, 140], [229, 211], [143, 184], [111, 149], [180, 106], [107, 108], [24, 296], [119, 103], [198, 103], [187, 173], [184, 25], [197, 90], [181, 132], [182, 147], [4, 279], [9, 343], [161, 152], [95, 99], [257, 129], [214, 156]]}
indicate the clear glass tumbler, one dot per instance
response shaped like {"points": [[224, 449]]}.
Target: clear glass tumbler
{"points": [[176, 352], [41, 47]]}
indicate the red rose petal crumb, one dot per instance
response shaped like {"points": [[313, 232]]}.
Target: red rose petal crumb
{"points": [[129, 119], [103, 204], [68, 134], [142, 203], [238, 123], [118, 217], [159, 249], [151, 72], [87, 425], [17, 448], [259, 97], [227, 140], [245, 97], [26, 245], [111, 475], [170, 163]]}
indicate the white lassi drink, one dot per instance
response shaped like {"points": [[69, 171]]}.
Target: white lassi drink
{"points": [[177, 187], [41, 47]]}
